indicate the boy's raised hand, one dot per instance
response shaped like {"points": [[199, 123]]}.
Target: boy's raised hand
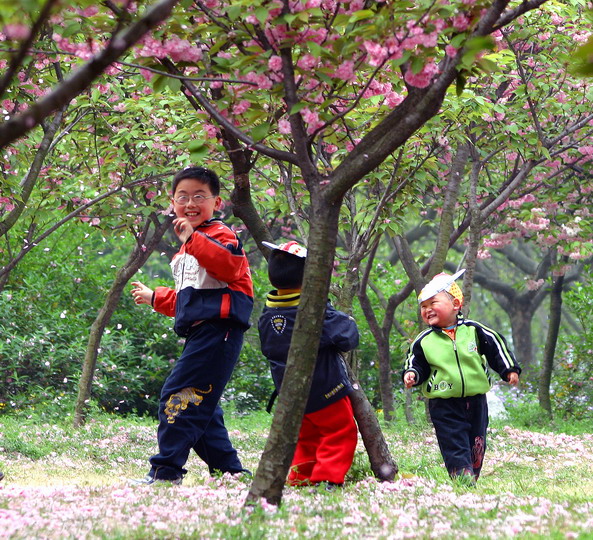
{"points": [[183, 228], [141, 293]]}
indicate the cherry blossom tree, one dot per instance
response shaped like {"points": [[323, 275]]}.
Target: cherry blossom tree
{"points": [[315, 113]]}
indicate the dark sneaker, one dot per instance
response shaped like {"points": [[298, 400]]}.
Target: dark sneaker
{"points": [[149, 480]]}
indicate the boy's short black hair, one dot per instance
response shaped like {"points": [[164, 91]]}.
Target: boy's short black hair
{"points": [[208, 177], [286, 270]]}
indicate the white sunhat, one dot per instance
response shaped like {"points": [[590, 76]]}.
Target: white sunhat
{"points": [[292, 247], [439, 283]]}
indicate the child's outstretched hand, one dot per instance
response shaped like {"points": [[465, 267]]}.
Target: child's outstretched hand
{"points": [[513, 378], [141, 293], [409, 379]]}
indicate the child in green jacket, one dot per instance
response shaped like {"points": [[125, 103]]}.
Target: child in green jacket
{"points": [[450, 360]]}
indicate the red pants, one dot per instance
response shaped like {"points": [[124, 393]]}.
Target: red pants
{"points": [[326, 445]]}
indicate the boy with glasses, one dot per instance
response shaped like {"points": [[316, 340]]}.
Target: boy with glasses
{"points": [[212, 302]]}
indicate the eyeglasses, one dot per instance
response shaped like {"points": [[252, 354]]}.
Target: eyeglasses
{"points": [[197, 199]]}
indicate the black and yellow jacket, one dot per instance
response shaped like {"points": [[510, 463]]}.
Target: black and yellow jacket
{"points": [[340, 334], [458, 367]]}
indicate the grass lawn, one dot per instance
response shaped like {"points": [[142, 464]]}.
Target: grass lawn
{"points": [[67, 483]]}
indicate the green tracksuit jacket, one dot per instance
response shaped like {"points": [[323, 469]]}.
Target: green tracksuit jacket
{"points": [[449, 368]]}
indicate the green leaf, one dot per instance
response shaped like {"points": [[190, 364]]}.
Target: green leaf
{"points": [[585, 50], [260, 131], [261, 13], [488, 65], [513, 128], [361, 15], [458, 40], [234, 11], [289, 18], [158, 83], [71, 29], [198, 150], [417, 64], [314, 49], [480, 43], [297, 107]]}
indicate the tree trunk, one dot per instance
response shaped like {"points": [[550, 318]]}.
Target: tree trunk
{"points": [[385, 378], [137, 258], [279, 450], [381, 335], [382, 463], [521, 317], [408, 406], [545, 379]]}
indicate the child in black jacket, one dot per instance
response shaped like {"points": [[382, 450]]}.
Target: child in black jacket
{"points": [[328, 436]]}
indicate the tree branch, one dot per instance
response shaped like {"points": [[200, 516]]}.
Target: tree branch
{"points": [[82, 78], [228, 126]]}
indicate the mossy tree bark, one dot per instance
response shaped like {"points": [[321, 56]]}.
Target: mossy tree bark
{"points": [[145, 245]]}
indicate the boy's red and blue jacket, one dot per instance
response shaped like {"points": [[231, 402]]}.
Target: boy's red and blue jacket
{"points": [[212, 280], [339, 334], [458, 367]]}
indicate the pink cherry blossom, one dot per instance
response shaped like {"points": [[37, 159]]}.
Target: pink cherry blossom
{"points": [[450, 51], [90, 11], [534, 285], [284, 126], [393, 99], [16, 32], [260, 80], [345, 71], [275, 63], [461, 22], [210, 130], [181, 50], [312, 119], [6, 204], [7, 105], [377, 52], [307, 62], [148, 75], [424, 77], [241, 107]]}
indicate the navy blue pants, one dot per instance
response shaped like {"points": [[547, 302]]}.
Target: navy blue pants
{"points": [[189, 414], [460, 425]]}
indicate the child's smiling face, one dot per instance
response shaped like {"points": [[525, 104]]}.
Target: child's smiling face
{"points": [[187, 201], [440, 310]]}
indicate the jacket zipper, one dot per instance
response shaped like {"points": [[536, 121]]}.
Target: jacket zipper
{"points": [[459, 368]]}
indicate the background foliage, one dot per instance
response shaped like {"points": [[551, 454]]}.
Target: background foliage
{"points": [[516, 102]]}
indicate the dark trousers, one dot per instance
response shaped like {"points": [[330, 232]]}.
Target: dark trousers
{"points": [[460, 425], [189, 413]]}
